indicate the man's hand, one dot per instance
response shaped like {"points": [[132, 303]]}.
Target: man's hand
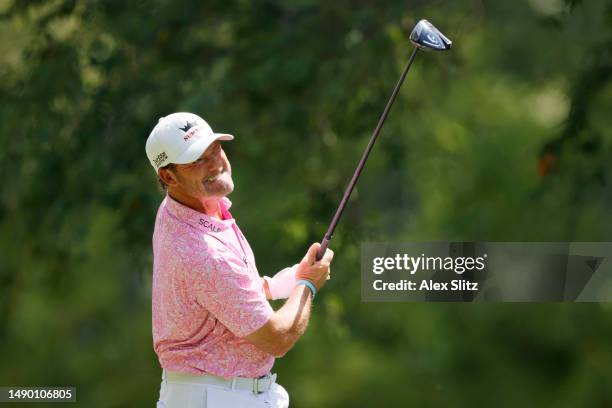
{"points": [[281, 285], [318, 273]]}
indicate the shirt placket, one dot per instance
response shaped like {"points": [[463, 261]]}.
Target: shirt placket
{"points": [[239, 238]]}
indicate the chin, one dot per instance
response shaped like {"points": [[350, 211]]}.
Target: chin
{"points": [[228, 191]]}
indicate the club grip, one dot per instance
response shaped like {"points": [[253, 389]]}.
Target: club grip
{"points": [[323, 248]]}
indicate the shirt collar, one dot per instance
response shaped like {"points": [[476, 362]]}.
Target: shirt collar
{"points": [[198, 219]]}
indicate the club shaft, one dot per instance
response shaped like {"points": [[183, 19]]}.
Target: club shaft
{"points": [[332, 226]]}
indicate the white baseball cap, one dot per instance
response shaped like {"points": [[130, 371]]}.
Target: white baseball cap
{"points": [[180, 138]]}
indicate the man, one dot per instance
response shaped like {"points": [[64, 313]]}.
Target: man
{"points": [[214, 332]]}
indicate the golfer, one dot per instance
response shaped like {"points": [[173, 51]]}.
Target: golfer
{"points": [[214, 332]]}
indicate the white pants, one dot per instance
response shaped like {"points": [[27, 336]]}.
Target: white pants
{"points": [[194, 395]]}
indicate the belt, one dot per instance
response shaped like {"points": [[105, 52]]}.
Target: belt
{"points": [[257, 385]]}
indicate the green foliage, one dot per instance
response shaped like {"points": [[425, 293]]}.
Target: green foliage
{"points": [[301, 84]]}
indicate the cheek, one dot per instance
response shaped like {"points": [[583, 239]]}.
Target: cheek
{"points": [[193, 177], [226, 162]]}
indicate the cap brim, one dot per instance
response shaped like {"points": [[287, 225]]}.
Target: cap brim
{"points": [[195, 150]]}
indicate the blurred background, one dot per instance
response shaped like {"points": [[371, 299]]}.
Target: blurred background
{"points": [[505, 138]]}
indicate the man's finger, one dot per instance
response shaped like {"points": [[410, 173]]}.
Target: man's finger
{"points": [[311, 255], [329, 255]]}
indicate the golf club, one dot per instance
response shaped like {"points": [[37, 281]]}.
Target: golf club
{"points": [[424, 35]]}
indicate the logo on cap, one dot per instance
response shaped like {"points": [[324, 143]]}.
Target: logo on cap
{"points": [[188, 125], [160, 159]]}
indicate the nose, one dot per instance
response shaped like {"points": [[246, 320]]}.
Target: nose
{"points": [[215, 161]]}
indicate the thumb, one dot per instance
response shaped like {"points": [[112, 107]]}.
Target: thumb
{"points": [[311, 255]]}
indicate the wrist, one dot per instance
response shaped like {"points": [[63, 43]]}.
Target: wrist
{"points": [[309, 285]]}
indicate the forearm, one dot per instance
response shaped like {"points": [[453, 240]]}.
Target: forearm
{"points": [[295, 313], [286, 325]]}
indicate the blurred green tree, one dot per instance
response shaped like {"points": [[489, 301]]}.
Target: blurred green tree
{"points": [[505, 138]]}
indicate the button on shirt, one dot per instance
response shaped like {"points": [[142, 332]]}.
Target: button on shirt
{"points": [[207, 294]]}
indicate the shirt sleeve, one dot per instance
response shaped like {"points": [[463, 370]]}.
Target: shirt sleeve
{"points": [[223, 284]]}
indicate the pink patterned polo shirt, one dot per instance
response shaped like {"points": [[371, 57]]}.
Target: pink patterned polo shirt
{"points": [[207, 294]]}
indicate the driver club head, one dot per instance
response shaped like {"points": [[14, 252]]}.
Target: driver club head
{"points": [[426, 36]]}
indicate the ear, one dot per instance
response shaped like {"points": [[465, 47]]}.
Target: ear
{"points": [[168, 177]]}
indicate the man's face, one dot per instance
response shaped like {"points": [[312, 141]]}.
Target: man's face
{"points": [[208, 177]]}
